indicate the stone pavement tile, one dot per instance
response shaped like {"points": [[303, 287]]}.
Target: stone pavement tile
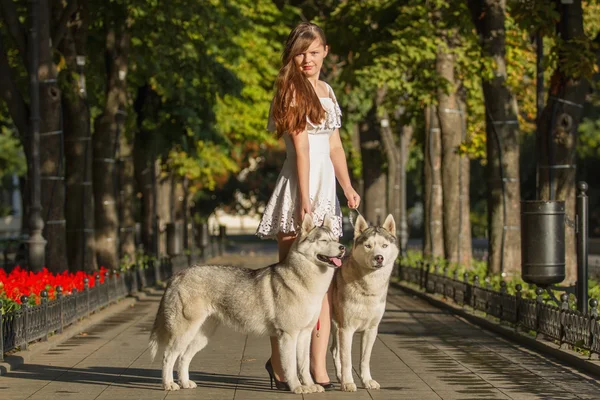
{"points": [[65, 372], [421, 353], [450, 353], [62, 390], [19, 390], [469, 394]]}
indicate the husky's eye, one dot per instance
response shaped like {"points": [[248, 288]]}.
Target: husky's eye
{"points": [[384, 245], [368, 246]]}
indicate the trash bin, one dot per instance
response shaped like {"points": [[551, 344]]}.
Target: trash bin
{"points": [[543, 242]]}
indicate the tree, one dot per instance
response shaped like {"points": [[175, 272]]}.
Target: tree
{"points": [[557, 130], [53, 17], [79, 201], [502, 140], [455, 172], [433, 241], [108, 127]]}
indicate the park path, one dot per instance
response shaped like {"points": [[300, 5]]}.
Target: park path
{"points": [[421, 353]]}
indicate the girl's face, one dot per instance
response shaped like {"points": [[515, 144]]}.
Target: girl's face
{"points": [[311, 61]]}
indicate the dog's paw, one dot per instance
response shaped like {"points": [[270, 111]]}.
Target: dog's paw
{"points": [[188, 385], [349, 387], [371, 384], [170, 386], [302, 389], [316, 388]]}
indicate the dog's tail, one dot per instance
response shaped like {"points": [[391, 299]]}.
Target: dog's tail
{"points": [[157, 335]]}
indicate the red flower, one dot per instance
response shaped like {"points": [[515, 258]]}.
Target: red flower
{"points": [[20, 282]]}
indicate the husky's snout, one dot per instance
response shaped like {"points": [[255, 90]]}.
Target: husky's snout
{"points": [[379, 259], [334, 261]]}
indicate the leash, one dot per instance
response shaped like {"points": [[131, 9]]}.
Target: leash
{"points": [[357, 214]]}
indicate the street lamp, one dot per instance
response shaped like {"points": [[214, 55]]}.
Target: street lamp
{"points": [[36, 242]]}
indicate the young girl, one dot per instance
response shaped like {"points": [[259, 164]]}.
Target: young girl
{"points": [[306, 114]]}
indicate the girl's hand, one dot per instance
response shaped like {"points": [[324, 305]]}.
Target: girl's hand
{"points": [[305, 209], [353, 197]]}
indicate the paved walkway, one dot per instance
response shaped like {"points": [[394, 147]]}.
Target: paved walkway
{"points": [[421, 353]]}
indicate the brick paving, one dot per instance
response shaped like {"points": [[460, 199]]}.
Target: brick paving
{"points": [[421, 353]]}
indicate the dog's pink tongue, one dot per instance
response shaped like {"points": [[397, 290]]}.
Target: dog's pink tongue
{"points": [[336, 261]]}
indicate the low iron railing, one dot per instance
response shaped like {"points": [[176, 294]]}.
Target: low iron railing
{"points": [[560, 323], [28, 324]]}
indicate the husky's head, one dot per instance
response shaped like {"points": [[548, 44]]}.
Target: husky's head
{"points": [[375, 246], [319, 243]]}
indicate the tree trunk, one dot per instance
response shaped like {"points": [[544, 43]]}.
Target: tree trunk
{"points": [[164, 205], [557, 134], [107, 128], [374, 175], [465, 244], [451, 131], [143, 177], [396, 154], [52, 183], [79, 201], [433, 243], [357, 181], [406, 134], [393, 157], [126, 199], [504, 208]]}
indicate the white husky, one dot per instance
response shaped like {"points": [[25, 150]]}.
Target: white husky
{"points": [[358, 296], [280, 300]]}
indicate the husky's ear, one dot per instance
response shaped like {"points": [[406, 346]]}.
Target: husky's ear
{"points": [[327, 221], [307, 223], [390, 225], [360, 225]]}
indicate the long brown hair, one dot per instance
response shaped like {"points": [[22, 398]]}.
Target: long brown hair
{"points": [[295, 98]]}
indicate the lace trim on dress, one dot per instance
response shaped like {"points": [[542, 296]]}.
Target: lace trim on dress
{"points": [[285, 221]]}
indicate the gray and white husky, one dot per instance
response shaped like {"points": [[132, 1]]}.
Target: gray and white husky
{"points": [[281, 300], [359, 292]]}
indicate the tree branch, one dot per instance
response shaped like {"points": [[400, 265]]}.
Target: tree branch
{"points": [[9, 92], [61, 27], [16, 29]]}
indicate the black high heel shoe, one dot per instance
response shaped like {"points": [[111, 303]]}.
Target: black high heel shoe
{"points": [[278, 384], [327, 386]]}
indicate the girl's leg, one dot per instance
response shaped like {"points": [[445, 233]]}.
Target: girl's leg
{"points": [[318, 344], [284, 242]]}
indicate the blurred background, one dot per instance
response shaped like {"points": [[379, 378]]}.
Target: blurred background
{"points": [[121, 120]]}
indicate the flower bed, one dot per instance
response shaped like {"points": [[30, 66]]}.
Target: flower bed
{"points": [[21, 282]]}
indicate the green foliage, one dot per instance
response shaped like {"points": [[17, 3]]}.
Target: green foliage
{"points": [[209, 163], [415, 259], [12, 158]]}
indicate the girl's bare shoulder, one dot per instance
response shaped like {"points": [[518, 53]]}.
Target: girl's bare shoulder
{"points": [[323, 89]]}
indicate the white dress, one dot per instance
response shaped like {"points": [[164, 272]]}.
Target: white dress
{"points": [[280, 213]]}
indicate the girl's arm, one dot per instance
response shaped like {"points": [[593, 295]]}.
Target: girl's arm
{"points": [[301, 145], [340, 167]]}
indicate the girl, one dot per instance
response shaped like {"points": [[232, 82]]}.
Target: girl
{"points": [[306, 113]]}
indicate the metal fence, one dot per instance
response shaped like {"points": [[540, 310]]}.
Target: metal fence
{"points": [[559, 323], [32, 323]]}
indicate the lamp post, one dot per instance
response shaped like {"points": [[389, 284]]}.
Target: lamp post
{"points": [[36, 242]]}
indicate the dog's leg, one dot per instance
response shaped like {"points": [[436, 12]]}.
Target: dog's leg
{"points": [[174, 351], [345, 345], [197, 344], [335, 350], [368, 339], [304, 361], [288, 349]]}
